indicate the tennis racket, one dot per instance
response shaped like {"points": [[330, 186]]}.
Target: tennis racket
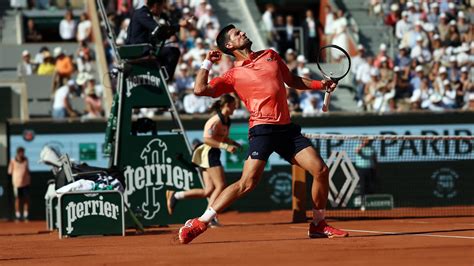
{"points": [[334, 63]]}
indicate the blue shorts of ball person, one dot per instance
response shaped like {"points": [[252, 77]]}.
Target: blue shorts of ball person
{"points": [[286, 140], [214, 157]]}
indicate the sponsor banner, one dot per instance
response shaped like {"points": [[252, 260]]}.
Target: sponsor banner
{"points": [[84, 147], [92, 213], [387, 151]]}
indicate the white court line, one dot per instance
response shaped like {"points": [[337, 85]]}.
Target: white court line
{"points": [[396, 233]]}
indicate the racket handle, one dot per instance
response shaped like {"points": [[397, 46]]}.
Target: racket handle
{"points": [[327, 97]]}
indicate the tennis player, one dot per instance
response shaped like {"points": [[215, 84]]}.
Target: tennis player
{"points": [[207, 156], [259, 80]]}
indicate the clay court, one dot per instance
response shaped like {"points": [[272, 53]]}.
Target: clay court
{"points": [[252, 238]]}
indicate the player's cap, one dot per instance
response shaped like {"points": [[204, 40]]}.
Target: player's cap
{"points": [[436, 37], [419, 69], [442, 70], [290, 51], [199, 40], [443, 15], [374, 72], [383, 59], [464, 69], [446, 82], [25, 53], [360, 47], [305, 71], [409, 4], [452, 58], [452, 23], [404, 13], [401, 46], [461, 14], [419, 38], [186, 10], [418, 23], [71, 82], [383, 47], [301, 59], [208, 7], [434, 5], [394, 7], [451, 5], [396, 69]]}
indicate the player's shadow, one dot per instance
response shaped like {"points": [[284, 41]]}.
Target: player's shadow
{"points": [[415, 233]]}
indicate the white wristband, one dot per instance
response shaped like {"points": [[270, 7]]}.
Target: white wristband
{"points": [[223, 145], [206, 64]]}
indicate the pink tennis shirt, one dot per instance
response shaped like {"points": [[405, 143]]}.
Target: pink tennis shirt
{"points": [[260, 84], [214, 129]]}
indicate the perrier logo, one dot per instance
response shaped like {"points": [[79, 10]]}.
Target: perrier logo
{"points": [[157, 170], [140, 80], [78, 210]]}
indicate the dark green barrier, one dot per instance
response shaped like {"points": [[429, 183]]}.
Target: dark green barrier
{"points": [[94, 213]]}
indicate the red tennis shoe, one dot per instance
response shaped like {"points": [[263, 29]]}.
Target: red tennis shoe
{"points": [[323, 230], [190, 230]]}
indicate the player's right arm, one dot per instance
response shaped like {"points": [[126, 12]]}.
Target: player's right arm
{"points": [[217, 86]]}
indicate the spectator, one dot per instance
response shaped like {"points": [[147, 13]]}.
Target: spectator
{"points": [[40, 55], [184, 81], [61, 104], [420, 98], [18, 168], [453, 38], [196, 51], [443, 27], [211, 32], [291, 62], [393, 17], [402, 59], [433, 16], [84, 28], [311, 36], [383, 54], [411, 37], [290, 35], [363, 77], [32, 35], [420, 51], [67, 27], [463, 26], [207, 17], [195, 104], [267, 20], [92, 101], [200, 10], [340, 28], [122, 36], [312, 108], [41, 4], [25, 67], [402, 26], [47, 67], [300, 64], [64, 66]]}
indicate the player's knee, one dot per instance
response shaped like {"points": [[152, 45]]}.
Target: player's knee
{"points": [[247, 185], [321, 173]]}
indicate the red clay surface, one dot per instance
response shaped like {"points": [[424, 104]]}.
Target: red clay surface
{"points": [[252, 239]]}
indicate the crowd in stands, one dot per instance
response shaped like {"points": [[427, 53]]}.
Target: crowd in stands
{"points": [[72, 72], [431, 69]]}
